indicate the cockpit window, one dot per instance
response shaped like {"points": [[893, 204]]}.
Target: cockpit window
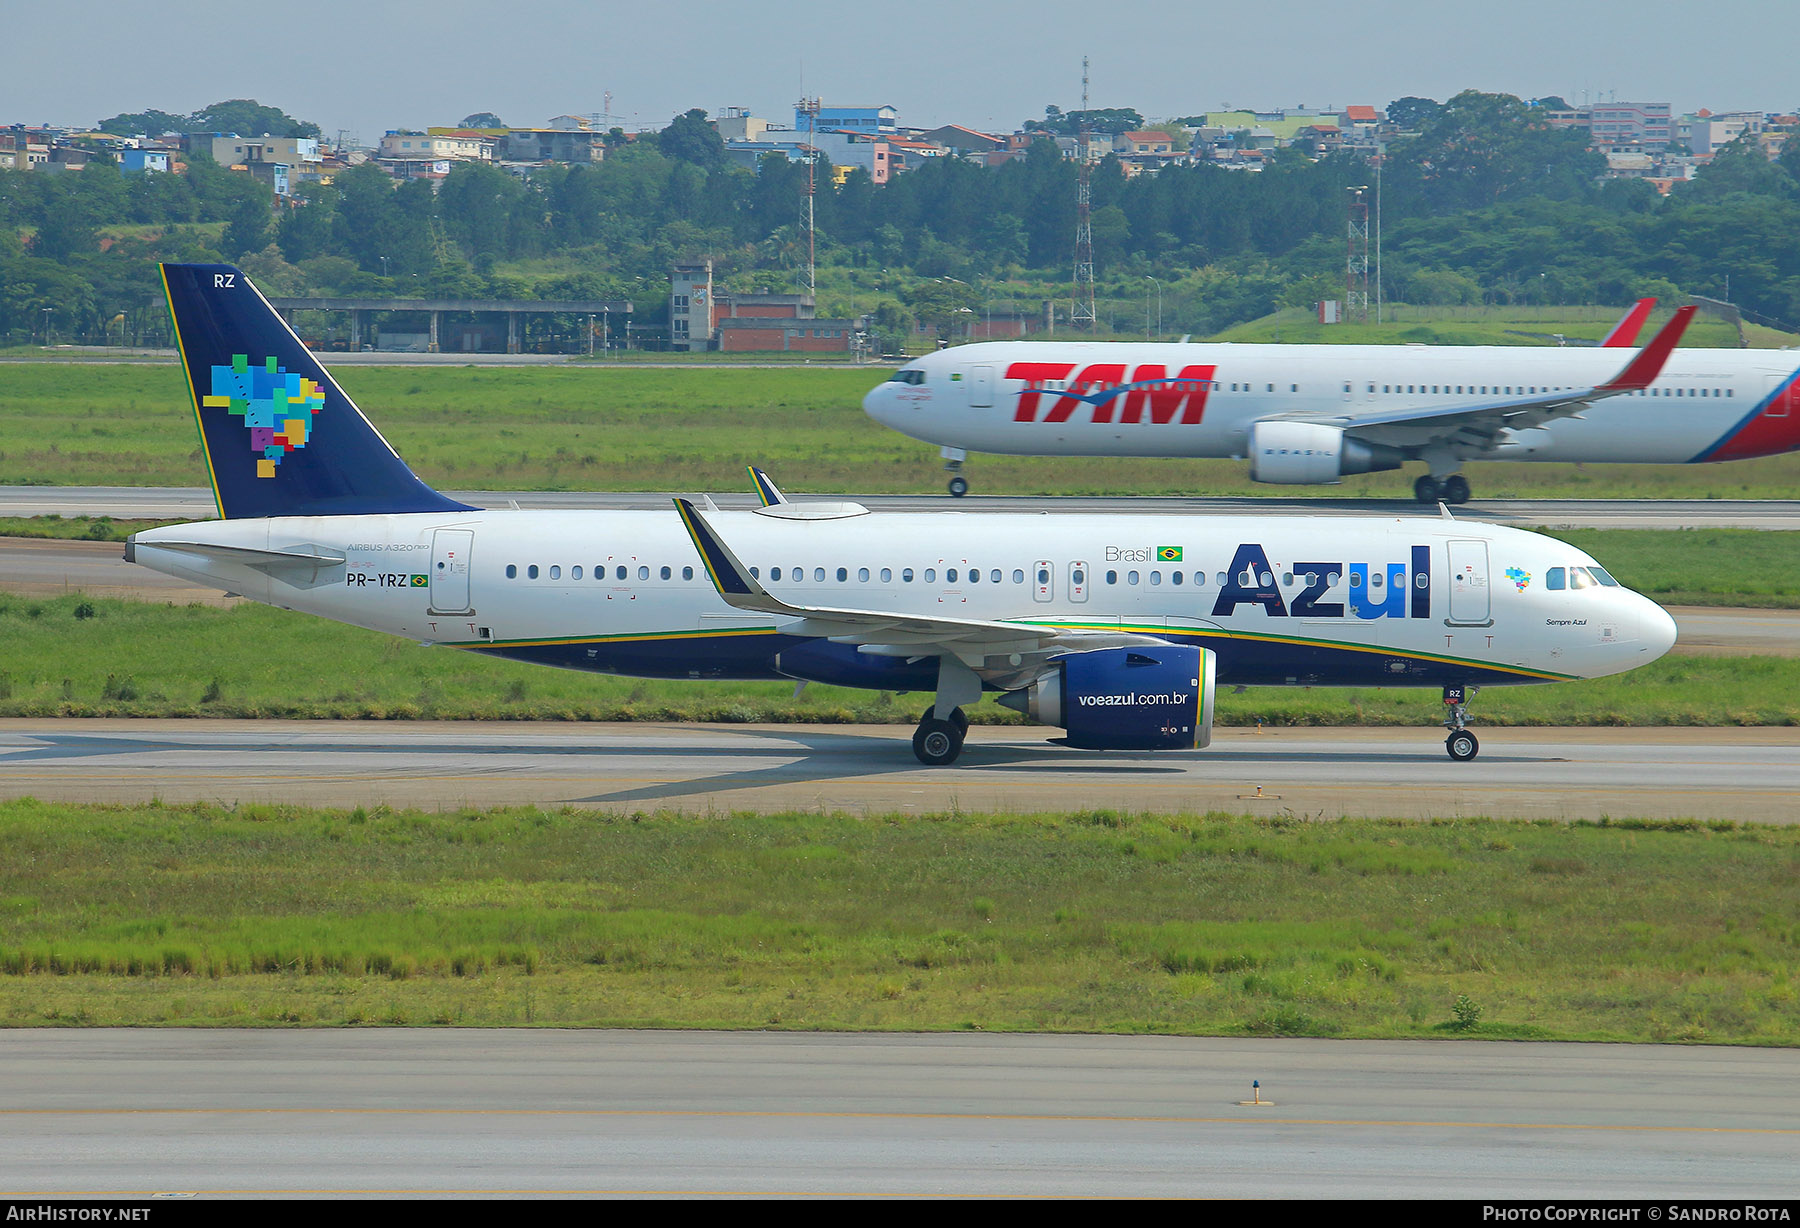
{"points": [[1554, 579], [1579, 578], [1602, 575], [909, 376]]}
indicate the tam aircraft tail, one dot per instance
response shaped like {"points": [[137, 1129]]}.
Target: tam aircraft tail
{"points": [[280, 437]]}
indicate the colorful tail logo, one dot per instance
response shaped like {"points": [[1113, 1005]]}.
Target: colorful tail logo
{"points": [[276, 405]]}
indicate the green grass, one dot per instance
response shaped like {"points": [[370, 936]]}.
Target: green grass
{"points": [[625, 428], [75, 528], [1509, 325], [1089, 922], [78, 656]]}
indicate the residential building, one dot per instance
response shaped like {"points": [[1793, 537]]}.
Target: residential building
{"points": [[450, 144], [143, 161], [737, 124], [963, 140]]}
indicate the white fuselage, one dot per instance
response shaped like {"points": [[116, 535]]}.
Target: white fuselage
{"points": [[1299, 600], [1008, 397]]}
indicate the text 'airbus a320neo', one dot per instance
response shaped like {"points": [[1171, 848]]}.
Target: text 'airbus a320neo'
{"points": [[1114, 628]]}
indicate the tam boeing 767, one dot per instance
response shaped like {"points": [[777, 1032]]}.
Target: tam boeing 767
{"points": [[1311, 414]]}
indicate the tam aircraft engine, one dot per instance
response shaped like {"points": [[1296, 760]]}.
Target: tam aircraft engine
{"points": [[1312, 453], [1148, 698]]}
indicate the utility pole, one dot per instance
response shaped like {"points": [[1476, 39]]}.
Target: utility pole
{"points": [[809, 107], [1082, 315]]}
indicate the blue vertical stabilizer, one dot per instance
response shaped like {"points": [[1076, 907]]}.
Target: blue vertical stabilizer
{"points": [[280, 437]]}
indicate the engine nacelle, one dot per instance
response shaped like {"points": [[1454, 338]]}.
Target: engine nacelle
{"points": [[1157, 697], [1312, 454]]}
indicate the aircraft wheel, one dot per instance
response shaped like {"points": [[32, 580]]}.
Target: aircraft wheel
{"points": [[936, 742], [959, 486], [1456, 489], [961, 721], [1425, 490], [1462, 745]]}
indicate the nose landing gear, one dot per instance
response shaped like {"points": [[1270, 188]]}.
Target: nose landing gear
{"points": [[1461, 744], [953, 463]]}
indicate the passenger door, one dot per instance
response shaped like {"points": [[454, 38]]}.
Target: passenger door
{"points": [[450, 553], [1470, 604], [981, 387]]}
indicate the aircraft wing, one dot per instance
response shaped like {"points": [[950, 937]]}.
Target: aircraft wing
{"points": [[1480, 425], [1004, 653]]}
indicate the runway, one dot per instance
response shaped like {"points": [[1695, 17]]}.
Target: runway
{"points": [[195, 503], [546, 1114], [1737, 774]]}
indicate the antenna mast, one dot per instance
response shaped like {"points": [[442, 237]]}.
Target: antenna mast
{"points": [[1356, 265], [809, 107], [1081, 314]]}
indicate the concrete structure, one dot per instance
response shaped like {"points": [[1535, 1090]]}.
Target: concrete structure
{"points": [[691, 306], [229, 149], [452, 144], [615, 316], [737, 124], [868, 121], [964, 140], [143, 161], [1708, 132]]}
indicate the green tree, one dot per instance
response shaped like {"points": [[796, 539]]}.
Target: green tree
{"points": [[1412, 113], [483, 119], [690, 138], [144, 123], [248, 117]]}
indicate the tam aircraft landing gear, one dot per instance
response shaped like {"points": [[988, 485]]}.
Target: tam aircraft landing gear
{"points": [[1461, 744], [953, 463], [1453, 489]]}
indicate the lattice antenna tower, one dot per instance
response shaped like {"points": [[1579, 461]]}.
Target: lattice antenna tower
{"points": [[1081, 314], [1356, 262], [809, 107]]}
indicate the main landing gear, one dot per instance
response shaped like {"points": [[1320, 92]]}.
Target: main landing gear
{"points": [[1453, 489], [939, 742], [1462, 745], [953, 463]]}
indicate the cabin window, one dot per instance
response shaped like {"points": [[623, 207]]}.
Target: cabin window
{"points": [[512, 571], [575, 572], [774, 573], [862, 573], [950, 576], [906, 575], [1554, 579], [1355, 580], [643, 572], [531, 572], [818, 575], [1018, 575], [1222, 579], [755, 573], [974, 575], [887, 575], [620, 573], [1131, 577], [1375, 580], [1175, 577], [687, 573], [1112, 577], [1287, 579], [994, 576], [931, 575], [555, 572], [843, 573], [667, 574], [1156, 579]]}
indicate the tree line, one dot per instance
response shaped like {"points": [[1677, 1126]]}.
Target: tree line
{"points": [[1485, 203]]}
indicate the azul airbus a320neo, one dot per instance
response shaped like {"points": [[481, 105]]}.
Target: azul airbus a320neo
{"points": [[1310, 414], [1114, 628]]}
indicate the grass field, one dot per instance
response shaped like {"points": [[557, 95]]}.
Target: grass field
{"points": [[564, 428], [1090, 922], [75, 656]]}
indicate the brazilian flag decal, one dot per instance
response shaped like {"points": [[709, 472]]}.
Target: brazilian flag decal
{"points": [[1168, 554], [421, 581]]}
